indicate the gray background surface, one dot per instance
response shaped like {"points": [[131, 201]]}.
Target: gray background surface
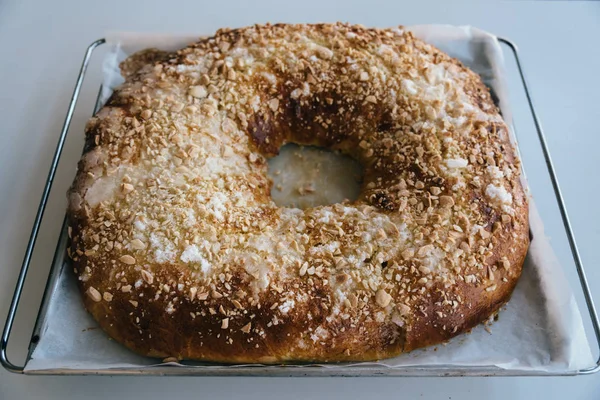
{"points": [[42, 44]]}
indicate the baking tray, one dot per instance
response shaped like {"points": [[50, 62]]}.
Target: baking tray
{"points": [[366, 369]]}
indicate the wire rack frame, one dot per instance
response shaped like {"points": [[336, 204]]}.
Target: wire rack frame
{"points": [[367, 370]]}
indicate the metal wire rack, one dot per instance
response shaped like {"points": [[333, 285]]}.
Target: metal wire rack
{"points": [[367, 370]]}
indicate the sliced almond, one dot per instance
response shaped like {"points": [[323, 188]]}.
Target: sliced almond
{"points": [[127, 188], [137, 244], [446, 201], [382, 298], [408, 254], [127, 259], [424, 250], [274, 104], [94, 294], [198, 92], [202, 296], [147, 277], [246, 328], [403, 309]]}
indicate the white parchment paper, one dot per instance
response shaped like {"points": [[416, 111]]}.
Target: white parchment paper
{"points": [[539, 329]]}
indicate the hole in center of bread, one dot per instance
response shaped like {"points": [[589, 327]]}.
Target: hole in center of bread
{"points": [[309, 176]]}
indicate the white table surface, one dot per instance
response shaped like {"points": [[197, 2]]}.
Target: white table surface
{"points": [[42, 43]]}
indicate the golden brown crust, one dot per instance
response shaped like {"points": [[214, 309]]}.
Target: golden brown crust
{"points": [[180, 251]]}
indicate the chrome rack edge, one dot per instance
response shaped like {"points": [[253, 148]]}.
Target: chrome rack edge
{"points": [[563, 209], [12, 311]]}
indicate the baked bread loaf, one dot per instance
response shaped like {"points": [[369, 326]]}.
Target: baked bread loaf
{"points": [[181, 252]]}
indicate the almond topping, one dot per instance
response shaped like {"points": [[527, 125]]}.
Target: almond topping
{"points": [[127, 188], [246, 328], [382, 298], [202, 296], [274, 104], [137, 244], [147, 277], [446, 201], [198, 92], [94, 294], [424, 250], [127, 259]]}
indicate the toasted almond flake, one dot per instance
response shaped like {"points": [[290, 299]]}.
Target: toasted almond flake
{"points": [[353, 300], [127, 259], [403, 309], [424, 250], [237, 304], [424, 270], [464, 246], [228, 152], [483, 233], [127, 187], [303, 269], [146, 114], [107, 296], [198, 92], [137, 244], [371, 99], [324, 53], [225, 323], [147, 277], [133, 303], [216, 295], [446, 201], [408, 254], [126, 288], [274, 104], [94, 294], [193, 291], [490, 288], [202, 296], [382, 298], [246, 328]]}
